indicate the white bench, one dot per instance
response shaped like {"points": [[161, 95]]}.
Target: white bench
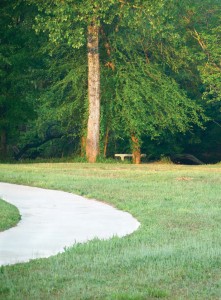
{"points": [[122, 156]]}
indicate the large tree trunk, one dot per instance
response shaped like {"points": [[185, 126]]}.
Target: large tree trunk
{"points": [[3, 145], [136, 150], [93, 129]]}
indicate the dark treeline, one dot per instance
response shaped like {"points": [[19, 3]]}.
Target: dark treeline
{"points": [[159, 89]]}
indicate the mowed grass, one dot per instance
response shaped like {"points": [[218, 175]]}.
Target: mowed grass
{"points": [[175, 254], [9, 215]]}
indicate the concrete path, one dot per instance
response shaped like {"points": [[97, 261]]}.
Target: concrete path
{"points": [[53, 220]]}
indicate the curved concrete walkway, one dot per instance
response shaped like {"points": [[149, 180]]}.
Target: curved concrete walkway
{"points": [[53, 220]]}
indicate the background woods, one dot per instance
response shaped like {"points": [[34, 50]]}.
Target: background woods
{"points": [[95, 78]]}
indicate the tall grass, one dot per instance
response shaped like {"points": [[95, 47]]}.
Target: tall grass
{"points": [[175, 254]]}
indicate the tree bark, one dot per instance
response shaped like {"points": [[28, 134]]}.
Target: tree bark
{"points": [[3, 145], [93, 128], [136, 150]]}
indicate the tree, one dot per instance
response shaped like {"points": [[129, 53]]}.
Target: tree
{"points": [[17, 65], [93, 136], [142, 58], [204, 35], [203, 25], [69, 21], [148, 99]]}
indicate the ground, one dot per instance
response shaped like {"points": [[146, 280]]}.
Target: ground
{"points": [[175, 254]]}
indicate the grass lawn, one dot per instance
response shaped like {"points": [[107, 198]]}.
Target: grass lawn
{"points": [[175, 254], [9, 215]]}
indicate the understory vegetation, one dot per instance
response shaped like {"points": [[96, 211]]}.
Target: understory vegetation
{"points": [[175, 254]]}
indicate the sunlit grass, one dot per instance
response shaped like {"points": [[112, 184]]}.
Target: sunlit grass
{"points": [[175, 254], [9, 215]]}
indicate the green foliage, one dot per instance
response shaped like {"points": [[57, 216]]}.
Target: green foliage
{"points": [[148, 102], [160, 73], [18, 64], [204, 27], [67, 21], [211, 70], [147, 96], [63, 100]]}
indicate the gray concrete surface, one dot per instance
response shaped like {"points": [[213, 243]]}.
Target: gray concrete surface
{"points": [[53, 220]]}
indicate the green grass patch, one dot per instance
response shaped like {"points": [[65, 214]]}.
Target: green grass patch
{"points": [[175, 254], [9, 215]]}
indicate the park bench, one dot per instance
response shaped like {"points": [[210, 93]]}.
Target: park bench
{"points": [[122, 156]]}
